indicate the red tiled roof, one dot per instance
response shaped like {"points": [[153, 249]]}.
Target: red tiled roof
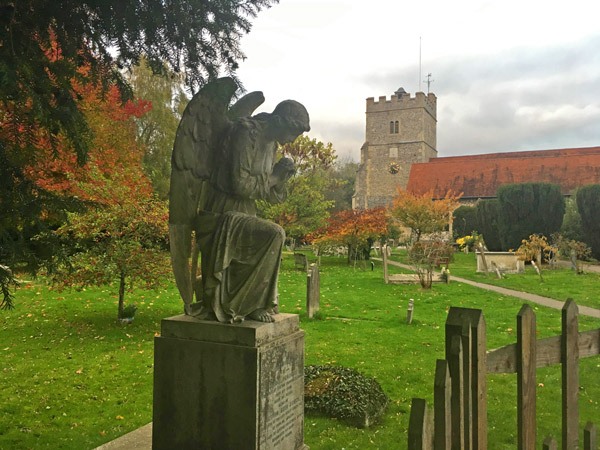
{"points": [[479, 176]]}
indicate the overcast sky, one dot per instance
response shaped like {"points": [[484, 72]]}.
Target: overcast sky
{"points": [[509, 75]]}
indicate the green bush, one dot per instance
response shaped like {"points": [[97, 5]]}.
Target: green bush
{"points": [[343, 393]]}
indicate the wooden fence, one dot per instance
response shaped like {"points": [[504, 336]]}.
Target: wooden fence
{"points": [[459, 416]]}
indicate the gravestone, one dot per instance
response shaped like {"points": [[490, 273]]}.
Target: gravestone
{"points": [[218, 386], [409, 311], [313, 291]]}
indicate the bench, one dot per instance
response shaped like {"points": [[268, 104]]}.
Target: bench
{"points": [[441, 261]]}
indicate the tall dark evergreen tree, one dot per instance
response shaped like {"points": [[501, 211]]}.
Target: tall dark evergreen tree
{"points": [[487, 223], [588, 204], [465, 221], [526, 209]]}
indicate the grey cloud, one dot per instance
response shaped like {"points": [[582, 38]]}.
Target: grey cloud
{"points": [[480, 98]]}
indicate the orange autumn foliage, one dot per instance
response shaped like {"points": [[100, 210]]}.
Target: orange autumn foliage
{"points": [[113, 171], [354, 228], [422, 213]]}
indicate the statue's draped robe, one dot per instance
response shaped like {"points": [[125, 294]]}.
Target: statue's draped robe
{"points": [[240, 253]]}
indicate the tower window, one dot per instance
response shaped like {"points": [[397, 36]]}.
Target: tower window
{"points": [[392, 127], [396, 128]]}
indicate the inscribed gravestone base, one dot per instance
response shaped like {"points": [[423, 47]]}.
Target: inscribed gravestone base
{"points": [[229, 387]]}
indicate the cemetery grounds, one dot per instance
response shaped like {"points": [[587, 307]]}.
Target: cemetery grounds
{"points": [[73, 378]]}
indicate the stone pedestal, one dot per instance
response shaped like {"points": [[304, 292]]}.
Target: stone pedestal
{"points": [[219, 386]]}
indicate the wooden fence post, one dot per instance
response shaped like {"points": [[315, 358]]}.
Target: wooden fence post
{"points": [[442, 414], [477, 370], [419, 426], [526, 376], [454, 357], [590, 437], [570, 376]]}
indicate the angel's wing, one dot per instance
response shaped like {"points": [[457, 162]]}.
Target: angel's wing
{"points": [[203, 122]]}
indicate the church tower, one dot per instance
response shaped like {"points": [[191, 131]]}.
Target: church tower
{"points": [[400, 131]]}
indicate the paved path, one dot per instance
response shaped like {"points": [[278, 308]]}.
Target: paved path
{"points": [[534, 298]]}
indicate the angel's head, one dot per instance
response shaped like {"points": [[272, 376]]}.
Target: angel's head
{"points": [[291, 119]]}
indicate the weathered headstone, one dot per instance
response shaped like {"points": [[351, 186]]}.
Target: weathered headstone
{"points": [[313, 290], [384, 253], [483, 261], [218, 386], [574, 265], [409, 311]]}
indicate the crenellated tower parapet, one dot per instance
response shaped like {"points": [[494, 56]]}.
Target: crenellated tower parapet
{"points": [[400, 131], [404, 101]]}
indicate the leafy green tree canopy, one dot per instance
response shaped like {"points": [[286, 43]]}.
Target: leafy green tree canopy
{"points": [[156, 129], [305, 209]]}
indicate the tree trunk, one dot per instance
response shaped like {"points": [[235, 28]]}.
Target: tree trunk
{"points": [[121, 294]]}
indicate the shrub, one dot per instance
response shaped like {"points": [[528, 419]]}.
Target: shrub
{"points": [[469, 241], [343, 393], [424, 256], [536, 248]]}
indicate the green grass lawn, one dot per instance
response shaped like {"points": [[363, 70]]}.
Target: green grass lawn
{"points": [[73, 378], [559, 283]]}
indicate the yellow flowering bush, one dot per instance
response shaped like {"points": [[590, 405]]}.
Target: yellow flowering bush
{"points": [[468, 241]]}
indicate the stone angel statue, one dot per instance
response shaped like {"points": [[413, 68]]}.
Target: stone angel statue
{"points": [[223, 161]]}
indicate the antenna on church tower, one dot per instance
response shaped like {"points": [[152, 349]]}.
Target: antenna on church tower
{"points": [[428, 81], [419, 64]]}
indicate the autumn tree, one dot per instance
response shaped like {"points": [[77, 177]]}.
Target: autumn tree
{"points": [[196, 38], [119, 232], [44, 44], [305, 209], [356, 229], [125, 242], [309, 155], [423, 214]]}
